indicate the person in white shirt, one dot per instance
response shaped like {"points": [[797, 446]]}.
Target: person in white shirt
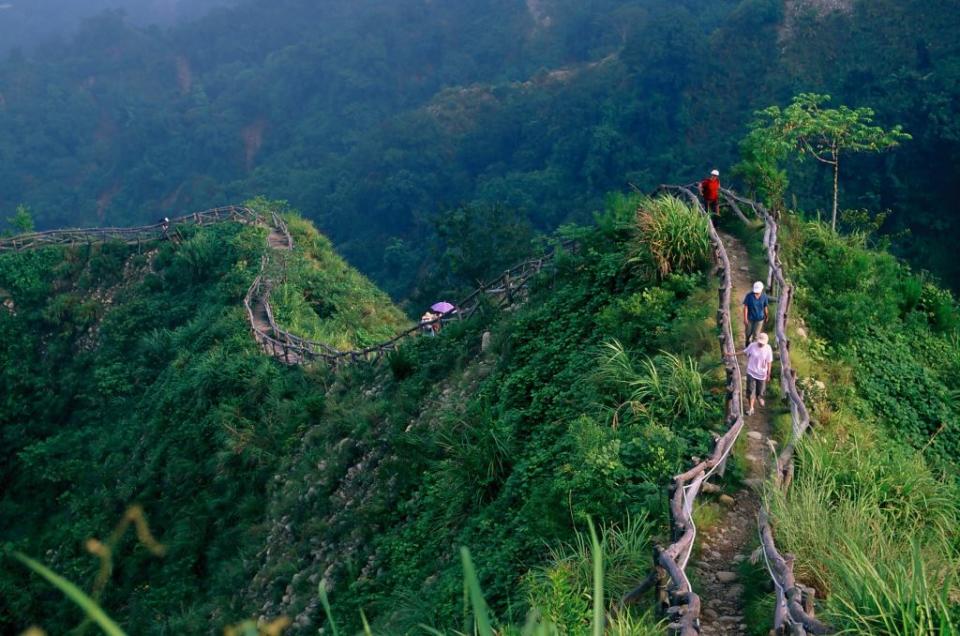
{"points": [[759, 365]]}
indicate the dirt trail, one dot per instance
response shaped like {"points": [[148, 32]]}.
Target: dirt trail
{"points": [[276, 240], [724, 546]]}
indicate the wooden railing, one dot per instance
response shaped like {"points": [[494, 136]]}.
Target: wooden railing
{"points": [[509, 287], [794, 611], [675, 595], [129, 235]]}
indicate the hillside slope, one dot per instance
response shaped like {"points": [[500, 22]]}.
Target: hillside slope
{"points": [[263, 480], [130, 377]]}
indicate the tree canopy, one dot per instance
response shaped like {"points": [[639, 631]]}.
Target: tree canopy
{"points": [[812, 131]]}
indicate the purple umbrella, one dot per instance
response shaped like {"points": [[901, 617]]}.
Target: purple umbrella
{"points": [[442, 307]]}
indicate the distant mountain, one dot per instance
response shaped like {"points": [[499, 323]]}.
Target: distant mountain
{"points": [[378, 115], [27, 23]]}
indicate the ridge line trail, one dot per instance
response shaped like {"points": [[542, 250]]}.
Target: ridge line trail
{"points": [[275, 241], [725, 545]]}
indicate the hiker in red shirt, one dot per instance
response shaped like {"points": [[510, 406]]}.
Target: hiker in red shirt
{"points": [[710, 190]]}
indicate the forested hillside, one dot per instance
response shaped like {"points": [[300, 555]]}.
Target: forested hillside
{"points": [[376, 116], [132, 377], [232, 422]]}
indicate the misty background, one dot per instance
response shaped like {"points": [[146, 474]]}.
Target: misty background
{"points": [[31, 23], [375, 117]]}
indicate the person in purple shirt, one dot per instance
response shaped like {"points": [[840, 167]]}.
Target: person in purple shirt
{"points": [[755, 311], [759, 365]]}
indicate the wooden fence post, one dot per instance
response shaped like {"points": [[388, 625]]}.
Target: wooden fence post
{"points": [[661, 596]]}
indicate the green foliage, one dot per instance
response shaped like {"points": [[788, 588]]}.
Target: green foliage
{"points": [[259, 476], [899, 595], [641, 316], [846, 288], [762, 154], [820, 130], [664, 390], [562, 590], [75, 594], [895, 328], [940, 308], [477, 242], [871, 526], [823, 134], [872, 512], [320, 297], [472, 584], [347, 110], [900, 385], [22, 220], [672, 236]]}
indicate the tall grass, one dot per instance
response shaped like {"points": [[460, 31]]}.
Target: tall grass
{"points": [[319, 296], [664, 389], [875, 530], [906, 593], [671, 236], [568, 592], [75, 594]]}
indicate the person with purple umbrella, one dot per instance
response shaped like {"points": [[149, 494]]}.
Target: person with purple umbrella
{"points": [[442, 310]]}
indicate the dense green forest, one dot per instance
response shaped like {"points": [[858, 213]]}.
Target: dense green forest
{"points": [[416, 149], [26, 25], [261, 480], [374, 117]]}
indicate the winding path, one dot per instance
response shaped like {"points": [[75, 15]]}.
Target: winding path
{"points": [[724, 547], [720, 611], [508, 288]]}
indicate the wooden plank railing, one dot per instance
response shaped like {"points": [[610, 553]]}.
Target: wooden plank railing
{"points": [[675, 595], [129, 235], [510, 287], [794, 610], [794, 613]]}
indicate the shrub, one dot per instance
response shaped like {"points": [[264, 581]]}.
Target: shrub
{"points": [[645, 315], [671, 237], [665, 389], [561, 591], [939, 307], [846, 288]]}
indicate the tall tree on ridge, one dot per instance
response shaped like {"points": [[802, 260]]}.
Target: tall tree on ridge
{"points": [[822, 133]]}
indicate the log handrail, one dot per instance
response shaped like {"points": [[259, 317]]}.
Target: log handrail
{"points": [[794, 607], [790, 615], [275, 340], [674, 592], [72, 236]]}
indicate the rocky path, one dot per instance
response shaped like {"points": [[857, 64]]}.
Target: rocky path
{"points": [[724, 546], [276, 240]]}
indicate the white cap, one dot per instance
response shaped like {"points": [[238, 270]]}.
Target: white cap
{"points": [[715, 172], [763, 338], [757, 287]]}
